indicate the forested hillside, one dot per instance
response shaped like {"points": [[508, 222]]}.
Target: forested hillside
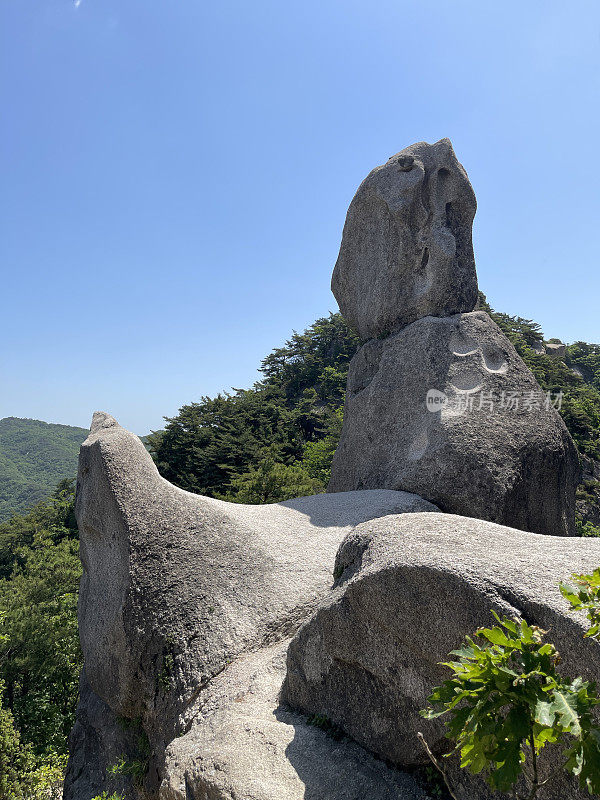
{"points": [[34, 457]]}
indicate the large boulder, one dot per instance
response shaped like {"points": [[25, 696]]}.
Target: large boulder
{"points": [[447, 409], [406, 248], [176, 587], [410, 588]]}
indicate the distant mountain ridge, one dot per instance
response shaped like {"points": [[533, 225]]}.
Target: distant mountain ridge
{"points": [[34, 457]]}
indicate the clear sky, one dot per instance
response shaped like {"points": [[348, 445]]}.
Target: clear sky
{"points": [[176, 175]]}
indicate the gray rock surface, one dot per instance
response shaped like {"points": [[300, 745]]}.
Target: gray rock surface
{"points": [[489, 448], [97, 740], [555, 349], [406, 248], [587, 498], [410, 588], [176, 586], [244, 744]]}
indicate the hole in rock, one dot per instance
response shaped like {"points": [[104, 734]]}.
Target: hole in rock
{"points": [[461, 345], [494, 360], [467, 381]]}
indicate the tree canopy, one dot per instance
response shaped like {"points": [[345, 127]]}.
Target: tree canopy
{"points": [[40, 657], [284, 418], [293, 416]]}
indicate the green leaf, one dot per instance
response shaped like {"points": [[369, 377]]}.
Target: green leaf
{"points": [[544, 713], [565, 706], [495, 636], [509, 624], [569, 593], [517, 724], [507, 772]]}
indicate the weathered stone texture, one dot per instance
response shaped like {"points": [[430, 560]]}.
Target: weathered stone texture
{"points": [[492, 451], [177, 586], [406, 248], [410, 588]]}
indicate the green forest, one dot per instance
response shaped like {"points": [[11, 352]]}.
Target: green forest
{"points": [[268, 443], [40, 658]]}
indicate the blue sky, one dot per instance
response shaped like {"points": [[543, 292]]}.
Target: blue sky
{"points": [[176, 176]]}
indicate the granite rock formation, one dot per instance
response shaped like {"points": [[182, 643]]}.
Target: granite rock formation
{"points": [[438, 401], [212, 631], [244, 744], [488, 444], [409, 589], [176, 587], [555, 349], [188, 606], [406, 249]]}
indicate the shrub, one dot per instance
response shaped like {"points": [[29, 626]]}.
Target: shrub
{"points": [[271, 483], [507, 705], [22, 776], [586, 528], [584, 595], [106, 796]]}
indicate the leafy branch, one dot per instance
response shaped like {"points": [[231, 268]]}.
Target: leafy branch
{"points": [[507, 704]]}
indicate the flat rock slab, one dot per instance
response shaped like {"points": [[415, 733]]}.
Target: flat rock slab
{"points": [[485, 446], [406, 248]]}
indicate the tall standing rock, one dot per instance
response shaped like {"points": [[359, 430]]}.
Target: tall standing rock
{"points": [[406, 249], [488, 444]]}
